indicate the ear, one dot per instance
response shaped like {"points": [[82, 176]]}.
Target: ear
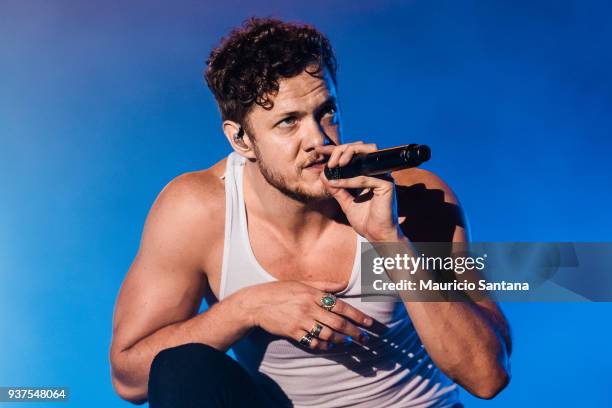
{"points": [[240, 141]]}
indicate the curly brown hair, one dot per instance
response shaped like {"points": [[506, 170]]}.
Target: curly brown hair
{"points": [[246, 66]]}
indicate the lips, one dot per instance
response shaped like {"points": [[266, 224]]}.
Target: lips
{"points": [[319, 164]]}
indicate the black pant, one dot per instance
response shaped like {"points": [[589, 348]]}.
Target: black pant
{"points": [[196, 375]]}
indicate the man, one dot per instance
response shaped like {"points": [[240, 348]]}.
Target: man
{"points": [[266, 239]]}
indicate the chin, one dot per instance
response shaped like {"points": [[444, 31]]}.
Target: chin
{"points": [[308, 192], [317, 191], [305, 187]]}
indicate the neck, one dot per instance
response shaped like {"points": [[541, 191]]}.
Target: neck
{"points": [[295, 220]]}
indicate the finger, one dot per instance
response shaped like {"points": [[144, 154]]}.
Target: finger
{"points": [[345, 157], [335, 155], [363, 182], [331, 336], [325, 149], [323, 345], [315, 343], [326, 334], [338, 323], [356, 315], [329, 148], [334, 151], [353, 150], [323, 286], [348, 150], [341, 195]]}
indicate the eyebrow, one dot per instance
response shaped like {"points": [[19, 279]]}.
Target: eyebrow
{"points": [[329, 101]]}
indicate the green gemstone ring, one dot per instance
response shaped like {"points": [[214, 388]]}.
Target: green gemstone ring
{"points": [[328, 301]]}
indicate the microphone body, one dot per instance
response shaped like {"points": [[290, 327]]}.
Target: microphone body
{"points": [[381, 162]]}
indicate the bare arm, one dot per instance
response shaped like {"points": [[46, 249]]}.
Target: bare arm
{"points": [[161, 294], [470, 341], [160, 297]]}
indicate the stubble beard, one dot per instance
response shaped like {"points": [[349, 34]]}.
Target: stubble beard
{"points": [[280, 183]]}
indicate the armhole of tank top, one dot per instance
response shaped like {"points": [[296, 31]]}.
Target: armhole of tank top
{"points": [[227, 225], [356, 271]]}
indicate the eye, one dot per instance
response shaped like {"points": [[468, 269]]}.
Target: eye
{"points": [[329, 113], [329, 110], [287, 122]]}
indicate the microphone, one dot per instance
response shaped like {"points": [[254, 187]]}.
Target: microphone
{"points": [[381, 162]]}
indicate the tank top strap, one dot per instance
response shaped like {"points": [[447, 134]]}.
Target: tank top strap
{"points": [[239, 268], [232, 215]]}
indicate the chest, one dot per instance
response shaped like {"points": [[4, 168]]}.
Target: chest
{"points": [[328, 259]]}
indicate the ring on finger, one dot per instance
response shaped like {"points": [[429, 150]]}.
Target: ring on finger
{"points": [[306, 340], [316, 329], [328, 301]]}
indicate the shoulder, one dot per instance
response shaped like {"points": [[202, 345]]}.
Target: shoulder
{"points": [[426, 180], [197, 192], [428, 209], [188, 213]]}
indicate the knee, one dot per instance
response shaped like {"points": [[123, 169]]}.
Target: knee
{"points": [[185, 362], [179, 376]]}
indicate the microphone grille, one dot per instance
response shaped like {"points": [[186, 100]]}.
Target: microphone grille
{"points": [[423, 153]]}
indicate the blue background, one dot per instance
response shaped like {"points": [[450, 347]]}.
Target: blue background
{"points": [[102, 104]]}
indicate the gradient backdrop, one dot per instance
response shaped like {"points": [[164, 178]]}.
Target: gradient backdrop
{"points": [[103, 103]]}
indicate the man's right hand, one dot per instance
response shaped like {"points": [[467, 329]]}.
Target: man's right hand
{"points": [[291, 309]]}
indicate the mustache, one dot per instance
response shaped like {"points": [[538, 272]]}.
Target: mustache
{"points": [[316, 160]]}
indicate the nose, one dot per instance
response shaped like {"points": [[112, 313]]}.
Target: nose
{"points": [[314, 135]]}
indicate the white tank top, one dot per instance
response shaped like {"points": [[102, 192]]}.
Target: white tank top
{"points": [[394, 369]]}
